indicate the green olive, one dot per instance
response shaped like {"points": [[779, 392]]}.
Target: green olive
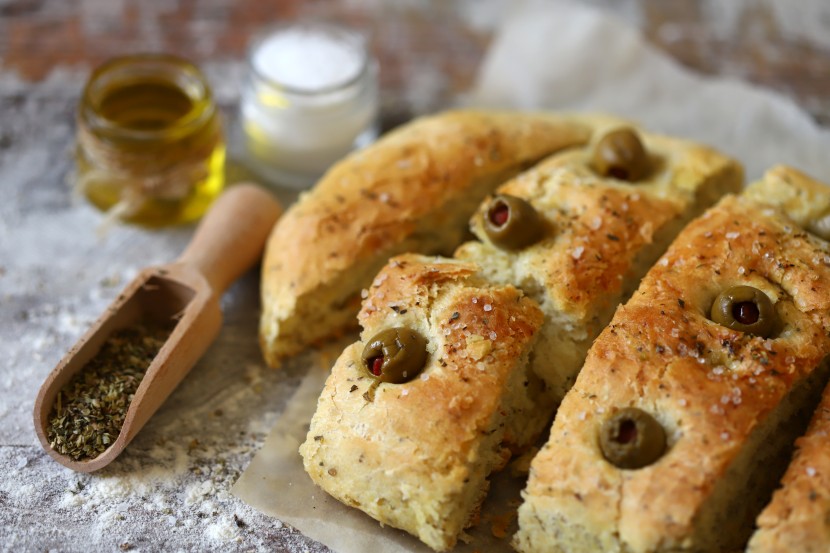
{"points": [[620, 154], [632, 439], [395, 355], [746, 309], [512, 223]]}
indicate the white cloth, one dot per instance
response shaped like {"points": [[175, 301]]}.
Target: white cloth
{"points": [[562, 56]]}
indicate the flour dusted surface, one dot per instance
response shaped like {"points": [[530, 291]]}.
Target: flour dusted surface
{"points": [[169, 490]]}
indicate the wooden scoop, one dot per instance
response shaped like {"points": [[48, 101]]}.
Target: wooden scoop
{"points": [[186, 292]]}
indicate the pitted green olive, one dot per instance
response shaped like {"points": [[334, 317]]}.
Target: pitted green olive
{"points": [[620, 154], [632, 439], [395, 355], [746, 309], [512, 223]]}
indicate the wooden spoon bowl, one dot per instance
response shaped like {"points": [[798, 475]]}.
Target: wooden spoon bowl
{"points": [[183, 295]]}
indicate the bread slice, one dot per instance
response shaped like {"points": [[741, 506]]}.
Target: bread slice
{"points": [[417, 455], [730, 403], [798, 517], [601, 236], [414, 190]]}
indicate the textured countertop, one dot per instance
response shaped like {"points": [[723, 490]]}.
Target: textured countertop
{"points": [[170, 489]]}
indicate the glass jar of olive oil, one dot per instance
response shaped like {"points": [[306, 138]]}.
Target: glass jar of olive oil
{"points": [[150, 146]]}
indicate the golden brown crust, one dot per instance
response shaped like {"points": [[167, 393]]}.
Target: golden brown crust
{"points": [[416, 455], [711, 388], [412, 191]]}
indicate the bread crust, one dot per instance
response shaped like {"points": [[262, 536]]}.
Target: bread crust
{"points": [[712, 388], [413, 190], [417, 455]]}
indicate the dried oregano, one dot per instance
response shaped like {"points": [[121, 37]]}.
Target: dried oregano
{"points": [[89, 410]]}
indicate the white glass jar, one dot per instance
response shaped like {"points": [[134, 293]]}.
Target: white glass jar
{"points": [[311, 97]]}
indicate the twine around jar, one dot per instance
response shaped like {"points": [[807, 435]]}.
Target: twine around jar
{"points": [[143, 172], [149, 142]]}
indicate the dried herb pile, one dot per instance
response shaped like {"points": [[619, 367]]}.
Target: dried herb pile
{"points": [[89, 410]]}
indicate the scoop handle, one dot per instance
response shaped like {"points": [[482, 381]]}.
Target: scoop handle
{"points": [[232, 235]]}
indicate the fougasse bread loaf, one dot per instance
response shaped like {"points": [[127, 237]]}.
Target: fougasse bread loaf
{"points": [[579, 230], [413, 190], [413, 447], [680, 422]]}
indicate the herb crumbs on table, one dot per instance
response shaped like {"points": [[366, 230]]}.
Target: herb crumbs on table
{"points": [[89, 410]]}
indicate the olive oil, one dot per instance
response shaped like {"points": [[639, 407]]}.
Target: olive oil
{"points": [[146, 105], [150, 143]]}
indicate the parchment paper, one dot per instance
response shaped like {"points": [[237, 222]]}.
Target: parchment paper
{"points": [[563, 57]]}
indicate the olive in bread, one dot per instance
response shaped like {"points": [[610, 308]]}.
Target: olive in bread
{"points": [[729, 400], [578, 231], [413, 190], [416, 415]]}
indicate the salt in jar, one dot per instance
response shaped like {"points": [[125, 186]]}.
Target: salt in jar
{"points": [[311, 97]]}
